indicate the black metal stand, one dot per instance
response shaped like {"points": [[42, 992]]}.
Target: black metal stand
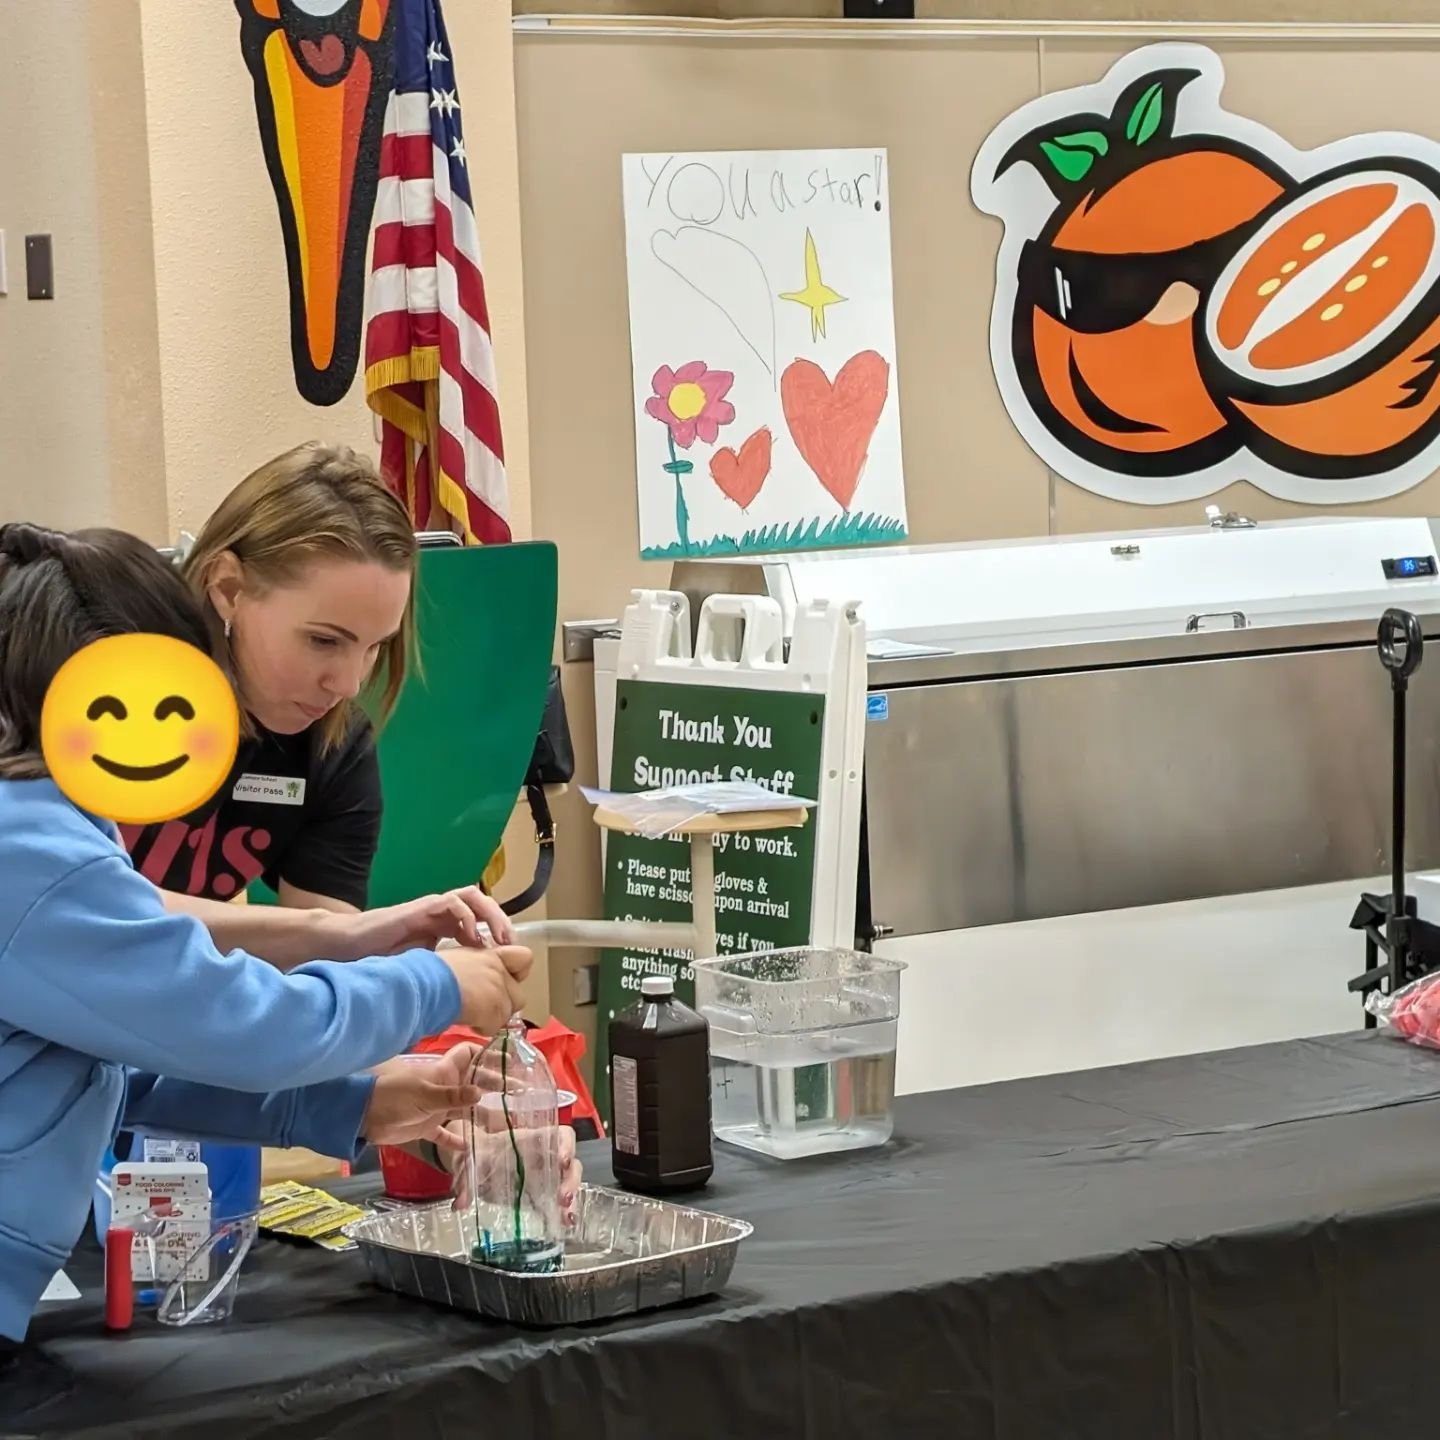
{"points": [[1411, 947]]}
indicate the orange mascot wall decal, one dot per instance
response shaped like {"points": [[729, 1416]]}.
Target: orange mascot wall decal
{"points": [[321, 70], [1183, 299]]}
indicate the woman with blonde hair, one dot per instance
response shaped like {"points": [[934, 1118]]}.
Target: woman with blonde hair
{"points": [[306, 574]]}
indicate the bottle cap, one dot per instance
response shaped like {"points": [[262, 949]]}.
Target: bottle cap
{"points": [[655, 986]]}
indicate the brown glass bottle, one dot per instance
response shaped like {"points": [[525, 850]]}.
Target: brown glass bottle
{"points": [[660, 1094]]}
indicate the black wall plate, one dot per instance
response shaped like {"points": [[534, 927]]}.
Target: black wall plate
{"points": [[39, 268], [879, 9]]}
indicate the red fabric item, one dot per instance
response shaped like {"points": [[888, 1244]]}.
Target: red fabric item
{"points": [[562, 1047]]}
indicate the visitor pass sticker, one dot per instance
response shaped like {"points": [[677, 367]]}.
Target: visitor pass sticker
{"points": [[271, 789]]}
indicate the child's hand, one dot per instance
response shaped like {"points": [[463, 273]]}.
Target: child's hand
{"points": [[415, 1097], [493, 1144]]}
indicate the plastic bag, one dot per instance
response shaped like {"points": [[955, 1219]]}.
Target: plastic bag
{"points": [[1412, 1012], [657, 813]]}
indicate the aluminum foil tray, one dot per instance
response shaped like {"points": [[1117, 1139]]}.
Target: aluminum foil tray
{"points": [[627, 1253]]}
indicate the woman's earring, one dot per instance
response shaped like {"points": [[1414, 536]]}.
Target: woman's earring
{"points": [[227, 629]]}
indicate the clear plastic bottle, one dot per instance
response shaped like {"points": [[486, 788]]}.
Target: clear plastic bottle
{"points": [[514, 1162]]}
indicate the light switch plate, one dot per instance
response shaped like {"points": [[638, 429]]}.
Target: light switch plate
{"points": [[585, 984]]}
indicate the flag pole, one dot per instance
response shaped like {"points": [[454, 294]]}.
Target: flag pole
{"points": [[432, 447]]}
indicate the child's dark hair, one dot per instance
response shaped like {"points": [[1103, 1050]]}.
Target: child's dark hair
{"points": [[58, 593]]}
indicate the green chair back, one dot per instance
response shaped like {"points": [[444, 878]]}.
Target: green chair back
{"points": [[454, 753]]}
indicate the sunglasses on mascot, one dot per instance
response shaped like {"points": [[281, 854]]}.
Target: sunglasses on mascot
{"points": [[1093, 293]]}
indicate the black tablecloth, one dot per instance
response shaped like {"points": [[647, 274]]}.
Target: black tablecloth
{"points": [[1226, 1247]]}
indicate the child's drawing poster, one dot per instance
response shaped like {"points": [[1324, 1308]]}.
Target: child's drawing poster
{"points": [[762, 333]]}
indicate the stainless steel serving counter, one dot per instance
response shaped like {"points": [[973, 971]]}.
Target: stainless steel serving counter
{"points": [[1105, 722], [1018, 785]]}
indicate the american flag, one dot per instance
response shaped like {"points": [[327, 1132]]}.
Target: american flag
{"points": [[429, 364]]}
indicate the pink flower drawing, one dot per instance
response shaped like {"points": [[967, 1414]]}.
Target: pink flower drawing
{"points": [[691, 401]]}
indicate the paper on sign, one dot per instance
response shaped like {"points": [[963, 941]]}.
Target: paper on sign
{"points": [[654, 813]]}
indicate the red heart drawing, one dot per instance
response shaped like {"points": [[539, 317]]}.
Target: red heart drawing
{"points": [[832, 425], [741, 476]]}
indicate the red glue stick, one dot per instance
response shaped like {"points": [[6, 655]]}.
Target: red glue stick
{"points": [[119, 1284]]}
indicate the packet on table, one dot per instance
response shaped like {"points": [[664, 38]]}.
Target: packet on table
{"points": [[305, 1213]]}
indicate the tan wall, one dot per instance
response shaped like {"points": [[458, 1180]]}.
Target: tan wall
{"points": [[70, 167], [127, 269], [229, 394], [1337, 11], [585, 99], [161, 373], [55, 467]]}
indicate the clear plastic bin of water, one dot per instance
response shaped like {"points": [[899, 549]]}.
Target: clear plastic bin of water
{"points": [[802, 1049]]}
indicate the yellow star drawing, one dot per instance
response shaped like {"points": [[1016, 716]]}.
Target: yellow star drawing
{"points": [[817, 294]]}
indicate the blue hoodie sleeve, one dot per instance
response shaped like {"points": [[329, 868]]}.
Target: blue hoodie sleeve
{"points": [[324, 1118], [99, 965]]}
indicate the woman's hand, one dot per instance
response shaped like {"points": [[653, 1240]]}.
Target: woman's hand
{"points": [[455, 916]]}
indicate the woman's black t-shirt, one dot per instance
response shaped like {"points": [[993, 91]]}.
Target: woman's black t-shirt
{"points": [[286, 812]]}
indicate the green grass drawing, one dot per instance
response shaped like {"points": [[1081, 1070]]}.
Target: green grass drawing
{"points": [[844, 530]]}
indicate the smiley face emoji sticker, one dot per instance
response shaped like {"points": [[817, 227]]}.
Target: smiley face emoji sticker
{"points": [[139, 728]]}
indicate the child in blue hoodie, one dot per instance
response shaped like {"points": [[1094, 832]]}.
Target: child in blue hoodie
{"points": [[113, 1010]]}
